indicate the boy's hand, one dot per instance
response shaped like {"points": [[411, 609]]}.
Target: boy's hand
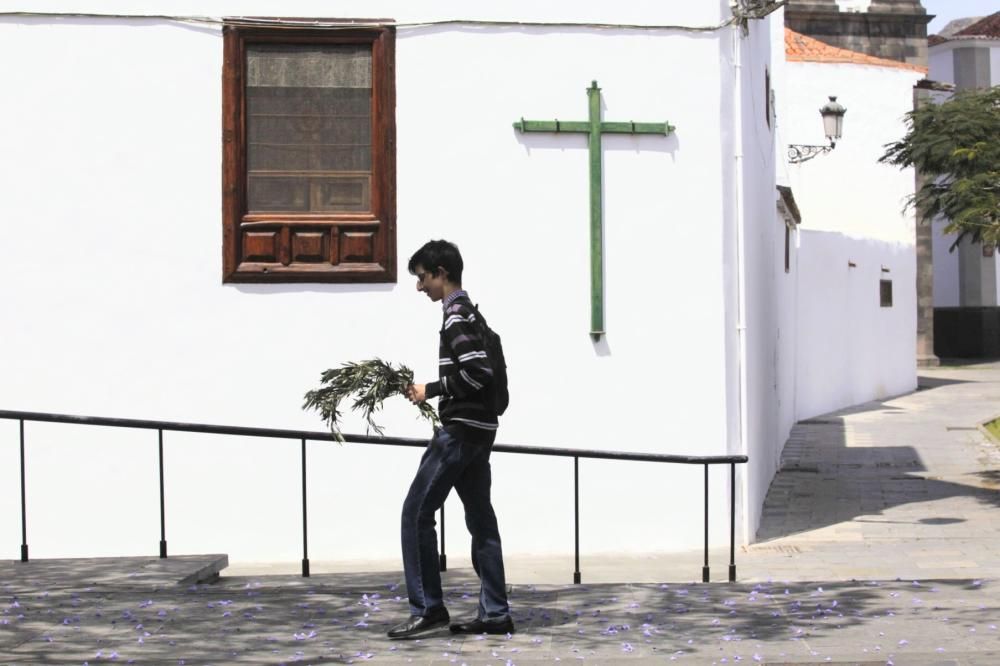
{"points": [[416, 393]]}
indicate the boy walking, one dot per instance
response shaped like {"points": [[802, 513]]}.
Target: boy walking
{"points": [[458, 456]]}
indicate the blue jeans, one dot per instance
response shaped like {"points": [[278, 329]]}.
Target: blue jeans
{"points": [[450, 463]]}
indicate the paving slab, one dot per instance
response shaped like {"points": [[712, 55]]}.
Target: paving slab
{"points": [[342, 618]]}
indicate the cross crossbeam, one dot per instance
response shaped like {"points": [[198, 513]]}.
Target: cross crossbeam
{"points": [[594, 127]]}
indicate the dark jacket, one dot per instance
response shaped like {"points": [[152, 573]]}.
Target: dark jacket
{"points": [[464, 372]]}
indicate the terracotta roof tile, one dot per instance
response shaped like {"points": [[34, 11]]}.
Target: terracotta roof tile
{"points": [[987, 27], [799, 48]]}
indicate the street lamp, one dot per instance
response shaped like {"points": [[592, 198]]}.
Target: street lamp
{"points": [[833, 125]]}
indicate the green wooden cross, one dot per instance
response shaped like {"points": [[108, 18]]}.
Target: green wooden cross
{"points": [[594, 128]]}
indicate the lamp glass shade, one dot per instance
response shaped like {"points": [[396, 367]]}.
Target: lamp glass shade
{"points": [[833, 119]]}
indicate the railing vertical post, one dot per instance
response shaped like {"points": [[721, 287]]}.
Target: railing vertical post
{"points": [[576, 516], [732, 522], [163, 509], [305, 523], [442, 557], [705, 577], [24, 512]]}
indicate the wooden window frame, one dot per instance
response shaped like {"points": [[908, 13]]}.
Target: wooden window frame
{"points": [[343, 229]]}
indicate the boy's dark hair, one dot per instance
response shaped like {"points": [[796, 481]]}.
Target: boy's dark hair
{"points": [[438, 253]]}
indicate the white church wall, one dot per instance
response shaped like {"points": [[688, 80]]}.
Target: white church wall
{"points": [[731, 204], [112, 223], [786, 283], [754, 158], [849, 349]]}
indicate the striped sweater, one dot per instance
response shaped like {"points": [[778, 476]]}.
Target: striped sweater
{"points": [[464, 371]]}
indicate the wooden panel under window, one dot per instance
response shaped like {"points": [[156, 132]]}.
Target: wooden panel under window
{"points": [[261, 246], [357, 246], [310, 246], [309, 149]]}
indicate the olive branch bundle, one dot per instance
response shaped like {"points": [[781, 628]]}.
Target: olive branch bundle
{"points": [[371, 382]]}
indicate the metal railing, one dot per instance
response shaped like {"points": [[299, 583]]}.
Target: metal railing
{"points": [[303, 436]]}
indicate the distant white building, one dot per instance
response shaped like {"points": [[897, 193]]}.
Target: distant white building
{"points": [[967, 276], [183, 245]]}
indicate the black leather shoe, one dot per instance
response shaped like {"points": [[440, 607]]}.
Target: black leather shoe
{"points": [[498, 625], [420, 624]]}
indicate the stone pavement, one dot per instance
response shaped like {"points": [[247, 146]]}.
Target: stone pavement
{"points": [[879, 545], [908, 488]]}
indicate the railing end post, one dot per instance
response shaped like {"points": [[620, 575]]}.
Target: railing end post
{"points": [[163, 550], [705, 577], [732, 573], [24, 552], [443, 562], [305, 567]]}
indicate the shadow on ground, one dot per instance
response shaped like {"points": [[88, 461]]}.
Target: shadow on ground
{"points": [[823, 481], [342, 618]]}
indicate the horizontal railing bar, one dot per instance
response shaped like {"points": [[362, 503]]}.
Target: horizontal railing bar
{"points": [[246, 431]]}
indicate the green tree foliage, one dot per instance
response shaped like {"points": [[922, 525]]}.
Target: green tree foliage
{"points": [[956, 147]]}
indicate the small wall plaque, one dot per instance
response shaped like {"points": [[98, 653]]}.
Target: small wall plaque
{"points": [[885, 293]]}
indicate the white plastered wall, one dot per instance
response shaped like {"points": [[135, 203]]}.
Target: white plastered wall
{"points": [[113, 288], [756, 216], [850, 349]]}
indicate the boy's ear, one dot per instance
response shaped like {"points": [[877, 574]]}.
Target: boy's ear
{"points": [[443, 272]]}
